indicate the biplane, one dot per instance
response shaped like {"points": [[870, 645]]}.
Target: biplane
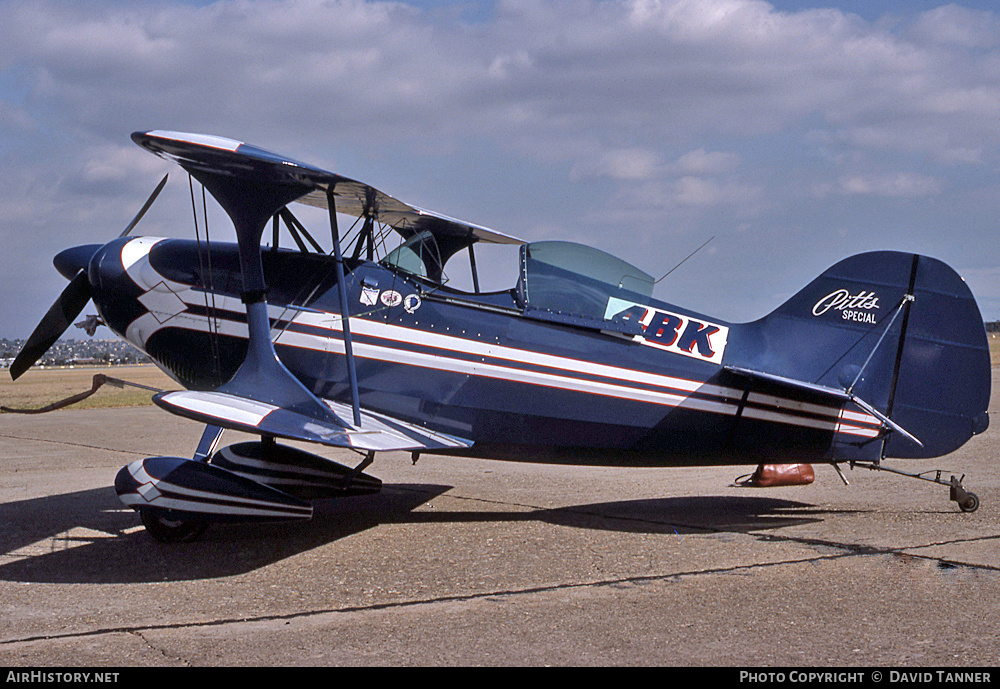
{"points": [[883, 356]]}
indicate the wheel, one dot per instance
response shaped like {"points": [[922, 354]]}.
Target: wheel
{"points": [[970, 503], [172, 530]]}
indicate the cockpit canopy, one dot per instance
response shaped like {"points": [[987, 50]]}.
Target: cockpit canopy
{"points": [[577, 280], [555, 277]]}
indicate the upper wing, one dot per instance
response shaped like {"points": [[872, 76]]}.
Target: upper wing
{"points": [[228, 156], [360, 200], [245, 402]]}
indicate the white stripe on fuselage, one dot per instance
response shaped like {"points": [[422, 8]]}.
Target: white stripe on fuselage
{"points": [[503, 360]]}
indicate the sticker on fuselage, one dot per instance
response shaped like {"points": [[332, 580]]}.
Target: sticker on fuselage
{"points": [[672, 332], [369, 296], [391, 297], [411, 302]]}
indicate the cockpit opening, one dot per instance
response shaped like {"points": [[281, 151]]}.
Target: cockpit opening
{"points": [[554, 277]]}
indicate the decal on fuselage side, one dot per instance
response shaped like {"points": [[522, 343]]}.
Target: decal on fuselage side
{"points": [[369, 296], [391, 297], [852, 307], [673, 332], [411, 302]]}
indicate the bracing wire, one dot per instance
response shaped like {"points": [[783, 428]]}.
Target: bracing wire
{"points": [[206, 289], [686, 258]]}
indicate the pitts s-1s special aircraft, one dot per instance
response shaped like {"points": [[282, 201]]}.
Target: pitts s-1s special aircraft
{"points": [[882, 356]]}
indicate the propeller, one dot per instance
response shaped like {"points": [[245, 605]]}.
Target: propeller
{"points": [[68, 306], [145, 207], [59, 317]]}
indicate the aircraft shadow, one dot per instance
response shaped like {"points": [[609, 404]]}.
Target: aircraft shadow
{"points": [[88, 537], [680, 515]]}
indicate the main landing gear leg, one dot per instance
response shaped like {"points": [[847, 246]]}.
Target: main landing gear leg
{"points": [[967, 501], [354, 473]]}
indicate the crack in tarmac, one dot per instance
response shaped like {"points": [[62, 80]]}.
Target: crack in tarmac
{"points": [[846, 550], [466, 597], [138, 633], [840, 550], [852, 548], [53, 441]]}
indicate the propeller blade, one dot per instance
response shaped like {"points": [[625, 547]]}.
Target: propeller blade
{"points": [[72, 300], [145, 207], [59, 317]]}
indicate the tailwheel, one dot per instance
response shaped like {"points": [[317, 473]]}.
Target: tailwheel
{"points": [[172, 530], [967, 501], [970, 504]]}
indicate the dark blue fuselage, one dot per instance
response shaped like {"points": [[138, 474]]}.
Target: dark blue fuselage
{"points": [[521, 385]]}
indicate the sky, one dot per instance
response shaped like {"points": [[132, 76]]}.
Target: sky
{"points": [[791, 134]]}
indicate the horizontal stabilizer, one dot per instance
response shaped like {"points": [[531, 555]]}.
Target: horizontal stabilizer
{"points": [[835, 395], [377, 432]]}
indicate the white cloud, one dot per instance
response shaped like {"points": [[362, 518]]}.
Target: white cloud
{"points": [[702, 191], [701, 161], [891, 185], [621, 164], [958, 26], [617, 70], [672, 113]]}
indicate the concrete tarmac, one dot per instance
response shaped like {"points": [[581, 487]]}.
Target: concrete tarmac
{"points": [[469, 562]]}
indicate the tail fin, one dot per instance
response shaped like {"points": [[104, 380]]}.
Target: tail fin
{"points": [[900, 332]]}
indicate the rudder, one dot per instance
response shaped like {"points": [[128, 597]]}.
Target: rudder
{"points": [[901, 331], [942, 387]]}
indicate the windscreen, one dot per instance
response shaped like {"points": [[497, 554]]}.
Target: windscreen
{"points": [[418, 255], [577, 280]]}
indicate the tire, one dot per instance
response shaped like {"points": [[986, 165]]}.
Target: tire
{"points": [[970, 503], [172, 530]]}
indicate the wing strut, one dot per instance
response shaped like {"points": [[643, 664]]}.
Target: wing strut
{"points": [[261, 377], [263, 397], [472, 264], [352, 373]]}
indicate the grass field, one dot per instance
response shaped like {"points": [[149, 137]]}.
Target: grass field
{"points": [[40, 387]]}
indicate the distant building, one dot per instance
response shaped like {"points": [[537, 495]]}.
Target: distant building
{"points": [[77, 353]]}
